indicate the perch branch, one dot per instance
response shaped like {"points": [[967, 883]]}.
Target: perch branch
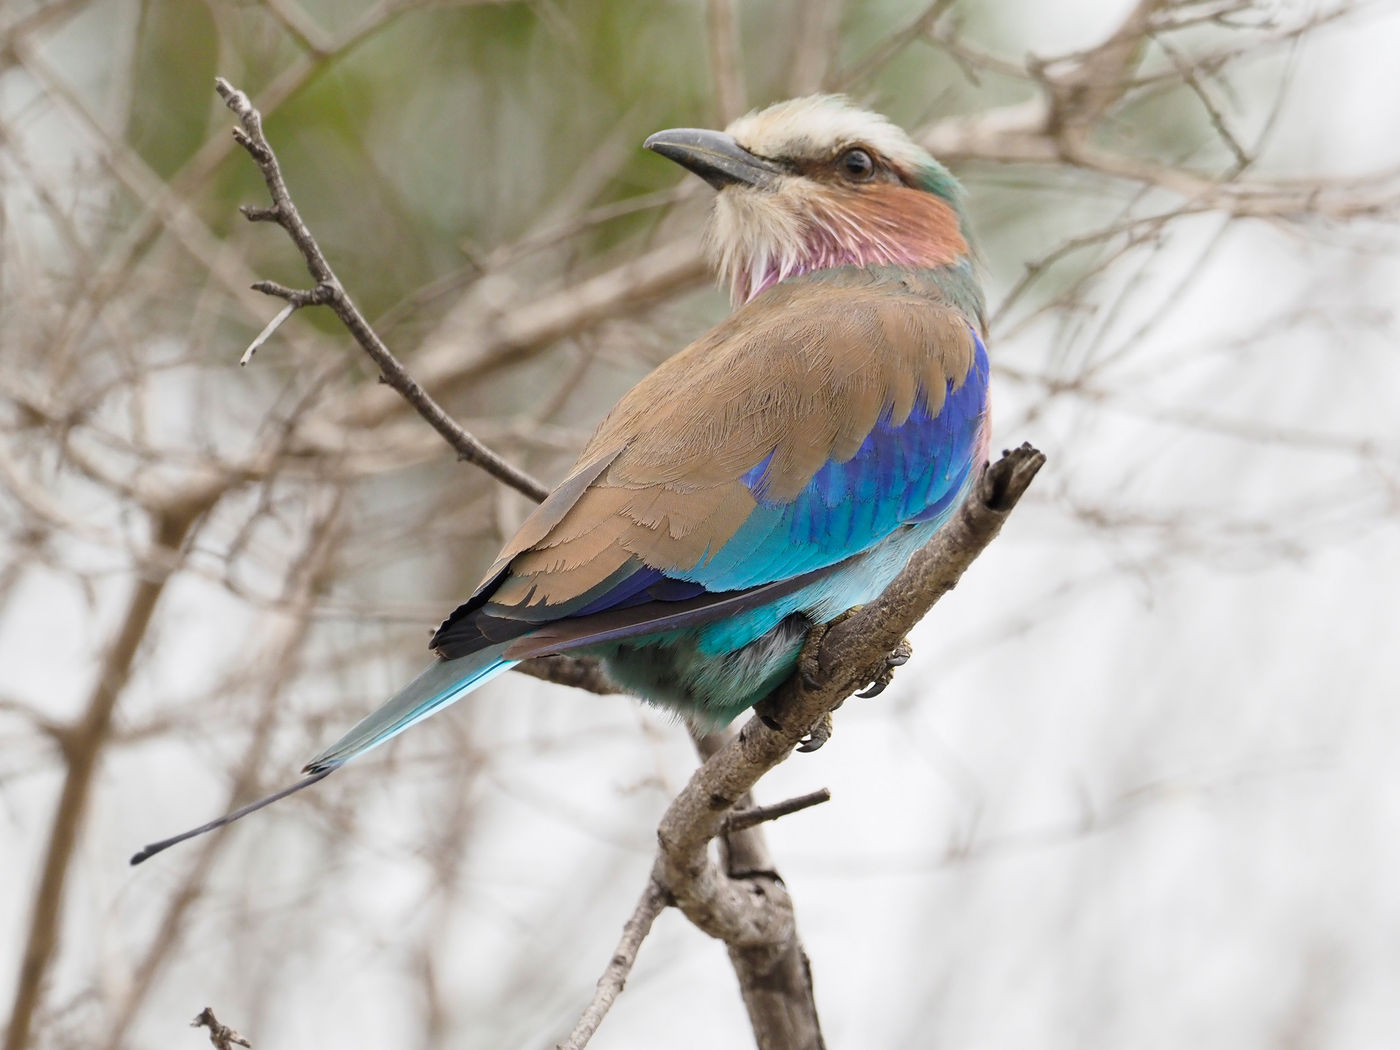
{"points": [[744, 903]]}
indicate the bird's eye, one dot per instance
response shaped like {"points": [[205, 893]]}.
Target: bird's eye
{"points": [[856, 165]]}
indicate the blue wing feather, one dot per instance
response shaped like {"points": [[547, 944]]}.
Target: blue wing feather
{"points": [[912, 472]]}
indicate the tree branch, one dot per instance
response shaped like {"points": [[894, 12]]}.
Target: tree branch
{"points": [[610, 985], [638, 278], [744, 906], [329, 292], [775, 977], [752, 816], [220, 1035], [87, 738], [577, 671], [849, 655], [1077, 94], [472, 343]]}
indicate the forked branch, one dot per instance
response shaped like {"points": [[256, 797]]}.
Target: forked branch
{"points": [[329, 292]]}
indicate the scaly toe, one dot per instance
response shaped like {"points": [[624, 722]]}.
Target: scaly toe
{"points": [[820, 734], [809, 659], [808, 662], [896, 657]]}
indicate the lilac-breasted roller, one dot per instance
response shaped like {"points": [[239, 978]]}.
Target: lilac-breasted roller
{"points": [[775, 473]]}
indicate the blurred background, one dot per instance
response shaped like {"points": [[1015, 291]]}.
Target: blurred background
{"points": [[1136, 787]]}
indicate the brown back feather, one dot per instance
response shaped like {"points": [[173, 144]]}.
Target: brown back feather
{"points": [[804, 372]]}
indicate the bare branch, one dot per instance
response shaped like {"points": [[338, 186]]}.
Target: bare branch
{"points": [[1079, 91], [746, 905], [87, 740], [610, 985], [775, 977], [726, 69], [741, 819], [576, 671], [328, 291], [266, 333], [467, 349], [221, 1035], [306, 580], [849, 655], [1191, 78], [301, 27], [885, 50]]}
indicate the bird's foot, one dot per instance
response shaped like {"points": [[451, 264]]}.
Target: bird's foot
{"points": [[811, 675], [809, 660], [896, 657], [818, 735]]}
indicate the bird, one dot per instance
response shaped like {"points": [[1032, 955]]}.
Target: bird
{"points": [[774, 474]]}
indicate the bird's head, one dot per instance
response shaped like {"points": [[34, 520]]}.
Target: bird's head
{"points": [[817, 182]]}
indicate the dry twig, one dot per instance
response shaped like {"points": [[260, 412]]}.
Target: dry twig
{"points": [[614, 977], [221, 1035], [752, 816], [329, 292], [87, 738]]}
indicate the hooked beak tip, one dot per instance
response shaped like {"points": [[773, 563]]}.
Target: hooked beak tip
{"points": [[714, 156]]}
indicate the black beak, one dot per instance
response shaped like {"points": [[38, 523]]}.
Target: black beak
{"points": [[714, 156]]}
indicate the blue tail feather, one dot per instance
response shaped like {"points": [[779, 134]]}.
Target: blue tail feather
{"points": [[443, 683], [438, 686]]}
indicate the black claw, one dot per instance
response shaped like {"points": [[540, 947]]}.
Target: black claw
{"points": [[771, 722], [896, 657], [817, 738]]}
